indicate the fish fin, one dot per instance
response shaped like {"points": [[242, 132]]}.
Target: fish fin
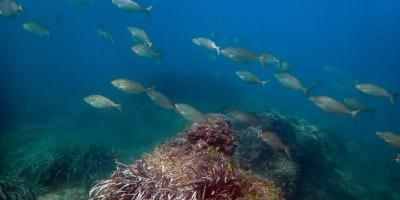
{"points": [[160, 57], [118, 106], [218, 49], [264, 82], [393, 97], [150, 44], [287, 150], [355, 113], [150, 88], [148, 10], [278, 63], [311, 87], [262, 60], [46, 35]]}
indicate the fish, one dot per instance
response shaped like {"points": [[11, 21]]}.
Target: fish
{"points": [[250, 78], [268, 58], [331, 105], [392, 139], [285, 67], [37, 29], [190, 113], [292, 82], [105, 34], [274, 141], [139, 35], [374, 90], [9, 8], [160, 99], [101, 102], [398, 158], [130, 86], [242, 55], [245, 117], [146, 51], [206, 43], [131, 6], [355, 104]]}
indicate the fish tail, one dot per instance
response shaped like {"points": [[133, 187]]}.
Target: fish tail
{"points": [[278, 63], [148, 10], [306, 91], [262, 60], [311, 87], [287, 151], [393, 97], [160, 57], [150, 88], [355, 113], [264, 82], [118, 106], [218, 49]]}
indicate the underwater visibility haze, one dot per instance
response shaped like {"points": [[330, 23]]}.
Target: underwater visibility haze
{"points": [[126, 99]]}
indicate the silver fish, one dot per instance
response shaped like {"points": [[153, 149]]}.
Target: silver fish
{"points": [[274, 141], [105, 34], [354, 103], [101, 102], [268, 58], [242, 55], [290, 81], [390, 138], [333, 106], [398, 158], [37, 29], [139, 35], [131, 6], [374, 90], [9, 8], [250, 78], [129, 86], [285, 67], [190, 113], [245, 117], [146, 51], [160, 99], [206, 43]]}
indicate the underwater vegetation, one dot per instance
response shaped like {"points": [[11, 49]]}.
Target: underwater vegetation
{"points": [[15, 188], [261, 156], [62, 168], [194, 165]]}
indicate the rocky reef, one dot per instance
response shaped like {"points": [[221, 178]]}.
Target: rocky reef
{"points": [[318, 167], [197, 164]]}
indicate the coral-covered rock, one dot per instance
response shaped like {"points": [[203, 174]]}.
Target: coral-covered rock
{"points": [[218, 133], [180, 170], [312, 171]]}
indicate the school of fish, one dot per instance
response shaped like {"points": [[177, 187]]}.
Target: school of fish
{"points": [[144, 47]]}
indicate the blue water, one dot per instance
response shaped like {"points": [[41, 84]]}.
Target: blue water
{"points": [[43, 81]]}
